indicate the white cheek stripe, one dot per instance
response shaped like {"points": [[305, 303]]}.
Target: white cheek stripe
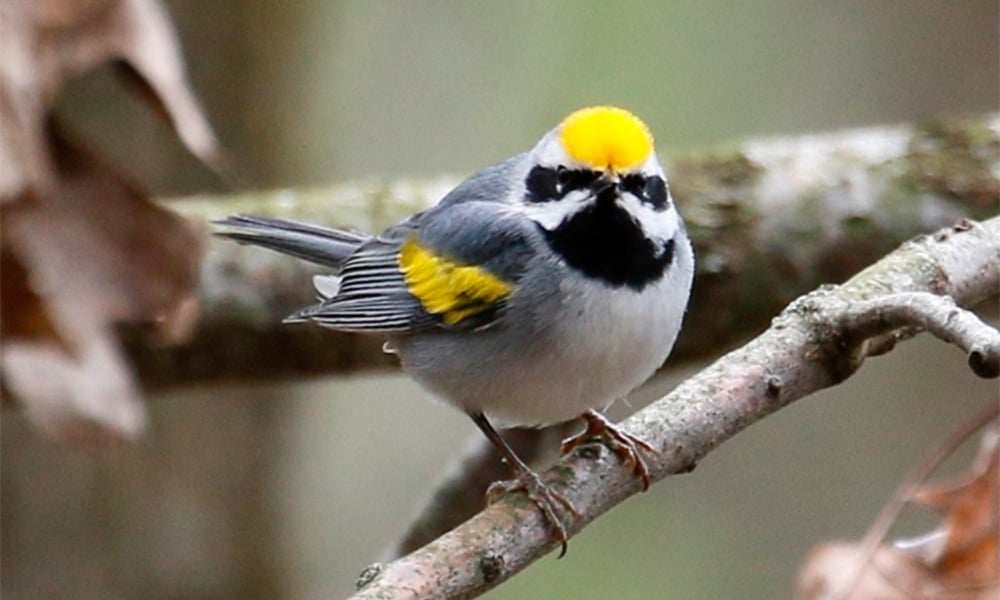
{"points": [[551, 214]]}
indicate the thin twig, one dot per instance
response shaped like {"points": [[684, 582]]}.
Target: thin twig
{"points": [[935, 314]]}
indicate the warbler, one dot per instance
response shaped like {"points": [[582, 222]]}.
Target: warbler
{"points": [[539, 290]]}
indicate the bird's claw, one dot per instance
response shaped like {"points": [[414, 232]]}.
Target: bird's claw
{"points": [[543, 496], [623, 444]]}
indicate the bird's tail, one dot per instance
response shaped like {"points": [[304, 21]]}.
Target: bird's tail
{"points": [[320, 245]]}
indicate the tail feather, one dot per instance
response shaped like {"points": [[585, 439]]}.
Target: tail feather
{"points": [[320, 245]]}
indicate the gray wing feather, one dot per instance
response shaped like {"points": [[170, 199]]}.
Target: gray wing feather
{"points": [[469, 226], [372, 295]]}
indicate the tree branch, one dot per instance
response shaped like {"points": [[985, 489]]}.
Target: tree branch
{"points": [[910, 312], [807, 348], [460, 492], [770, 220], [880, 322]]}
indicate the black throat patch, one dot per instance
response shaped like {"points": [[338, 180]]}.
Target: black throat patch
{"points": [[604, 242]]}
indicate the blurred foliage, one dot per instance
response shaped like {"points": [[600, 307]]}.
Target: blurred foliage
{"points": [[319, 91]]}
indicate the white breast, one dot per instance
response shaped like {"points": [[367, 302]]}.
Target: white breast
{"points": [[598, 345], [610, 342]]}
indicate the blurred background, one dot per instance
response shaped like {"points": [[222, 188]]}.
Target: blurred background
{"points": [[327, 472]]}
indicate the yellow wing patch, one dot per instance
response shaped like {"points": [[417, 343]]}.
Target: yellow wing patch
{"points": [[605, 137], [447, 289]]}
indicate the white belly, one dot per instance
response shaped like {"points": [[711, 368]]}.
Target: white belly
{"points": [[601, 344], [612, 342]]}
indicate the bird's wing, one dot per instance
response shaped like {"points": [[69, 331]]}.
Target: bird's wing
{"points": [[453, 267]]}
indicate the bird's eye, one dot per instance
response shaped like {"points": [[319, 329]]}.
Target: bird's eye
{"points": [[656, 192], [649, 190], [563, 176], [543, 185]]}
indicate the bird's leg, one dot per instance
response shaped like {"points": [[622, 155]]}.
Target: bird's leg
{"points": [[625, 445], [527, 481]]}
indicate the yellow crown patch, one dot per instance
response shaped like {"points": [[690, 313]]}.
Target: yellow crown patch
{"points": [[605, 137]]}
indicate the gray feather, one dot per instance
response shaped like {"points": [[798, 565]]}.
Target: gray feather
{"points": [[320, 245], [468, 226]]}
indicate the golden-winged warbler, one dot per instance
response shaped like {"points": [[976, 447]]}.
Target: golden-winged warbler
{"points": [[539, 290]]}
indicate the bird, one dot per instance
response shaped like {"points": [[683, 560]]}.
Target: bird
{"points": [[539, 290]]}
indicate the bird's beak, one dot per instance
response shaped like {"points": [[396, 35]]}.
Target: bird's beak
{"points": [[608, 185]]}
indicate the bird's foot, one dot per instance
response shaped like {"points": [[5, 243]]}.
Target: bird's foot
{"points": [[547, 500], [625, 445]]}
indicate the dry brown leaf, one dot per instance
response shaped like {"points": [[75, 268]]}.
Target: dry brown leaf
{"points": [[82, 250], [46, 42], [957, 561], [890, 574], [967, 551], [89, 255]]}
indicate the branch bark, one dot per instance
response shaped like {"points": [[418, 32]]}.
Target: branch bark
{"points": [[460, 492], [903, 314], [770, 220], [810, 346]]}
